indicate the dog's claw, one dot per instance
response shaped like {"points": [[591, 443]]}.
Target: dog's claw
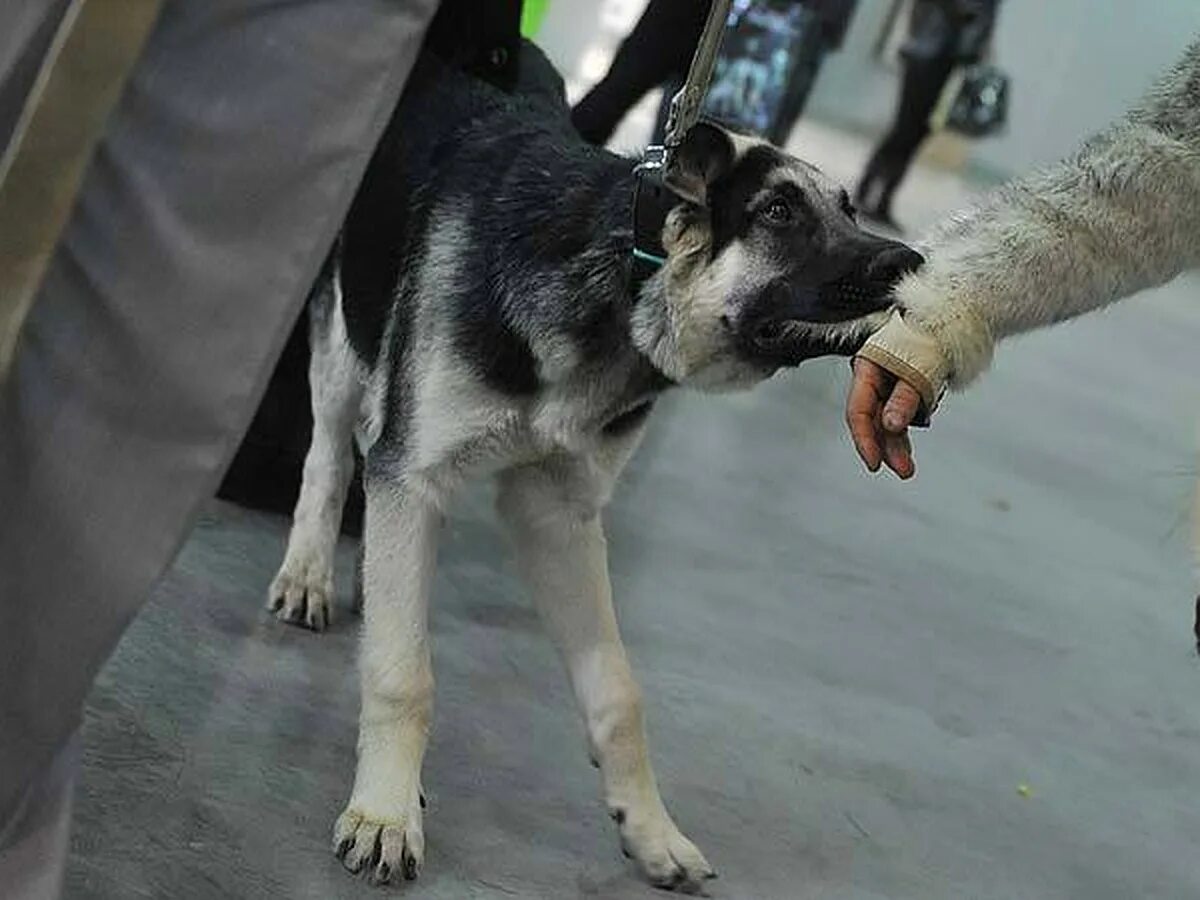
{"points": [[669, 882], [385, 846], [301, 597], [669, 860], [372, 861]]}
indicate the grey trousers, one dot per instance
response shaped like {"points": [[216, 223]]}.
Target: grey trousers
{"points": [[33, 843], [218, 187]]}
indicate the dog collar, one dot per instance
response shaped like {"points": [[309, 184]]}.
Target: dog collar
{"points": [[652, 201]]}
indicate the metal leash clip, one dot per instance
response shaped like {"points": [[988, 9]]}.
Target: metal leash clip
{"points": [[656, 192], [687, 103]]}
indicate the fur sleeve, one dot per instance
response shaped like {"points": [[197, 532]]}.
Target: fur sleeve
{"points": [[1121, 215]]}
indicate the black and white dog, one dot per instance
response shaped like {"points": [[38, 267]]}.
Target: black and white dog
{"points": [[479, 315]]}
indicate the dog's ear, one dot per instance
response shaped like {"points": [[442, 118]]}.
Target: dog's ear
{"points": [[707, 153]]}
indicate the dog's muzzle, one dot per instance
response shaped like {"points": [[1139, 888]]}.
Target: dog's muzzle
{"points": [[789, 324]]}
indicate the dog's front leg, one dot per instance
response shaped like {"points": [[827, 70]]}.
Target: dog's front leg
{"points": [[302, 591], [563, 555], [381, 829]]}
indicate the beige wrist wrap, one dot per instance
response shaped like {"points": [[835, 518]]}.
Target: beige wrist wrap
{"points": [[913, 356]]}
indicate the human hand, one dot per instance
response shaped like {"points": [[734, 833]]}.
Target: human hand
{"points": [[879, 409]]}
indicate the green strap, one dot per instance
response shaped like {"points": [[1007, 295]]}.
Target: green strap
{"points": [[648, 257], [533, 12]]}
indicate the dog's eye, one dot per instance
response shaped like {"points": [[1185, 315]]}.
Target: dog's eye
{"points": [[848, 207], [778, 212]]}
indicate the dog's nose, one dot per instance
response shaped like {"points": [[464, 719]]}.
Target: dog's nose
{"points": [[892, 262]]}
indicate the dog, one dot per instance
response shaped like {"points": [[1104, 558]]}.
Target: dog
{"points": [[479, 315]]}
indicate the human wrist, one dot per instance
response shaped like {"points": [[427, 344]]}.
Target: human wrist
{"points": [[913, 356], [942, 313]]}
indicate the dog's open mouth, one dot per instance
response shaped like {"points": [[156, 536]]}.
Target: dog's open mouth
{"points": [[789, 323], [790, 342]]}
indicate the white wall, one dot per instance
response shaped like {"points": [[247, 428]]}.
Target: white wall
{"points": [[580, 37], [1078, 64], [1075, 64]]}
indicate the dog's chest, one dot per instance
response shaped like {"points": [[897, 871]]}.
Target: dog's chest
{"points": [[462, 427], [494, 433]]}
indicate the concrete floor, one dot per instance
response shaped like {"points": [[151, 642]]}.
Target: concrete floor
{"points": [[847, 679]]}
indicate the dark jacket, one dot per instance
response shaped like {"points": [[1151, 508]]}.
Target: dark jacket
{"points": [[950, 29]]}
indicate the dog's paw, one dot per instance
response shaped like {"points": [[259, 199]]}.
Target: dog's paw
{"points": [[302, 595], [669, 859], [380, 846]]}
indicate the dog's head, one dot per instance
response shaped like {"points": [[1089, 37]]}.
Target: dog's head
{"points": [[767, 268]]}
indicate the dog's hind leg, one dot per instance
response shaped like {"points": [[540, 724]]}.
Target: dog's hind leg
{"points": [[302, 591], [380, 830], [553, 510]]}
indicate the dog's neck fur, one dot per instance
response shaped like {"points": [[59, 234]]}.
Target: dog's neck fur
{"points": [[588, 238], [599, 217]]}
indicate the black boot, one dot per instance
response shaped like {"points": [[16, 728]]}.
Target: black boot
{"points": [[874, 195], [874, 202], [868, 188], [880, 213], [1196, 627]]}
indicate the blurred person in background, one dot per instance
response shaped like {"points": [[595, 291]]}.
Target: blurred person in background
{"points": [[658, 52], [833, 21], [942, 34]]}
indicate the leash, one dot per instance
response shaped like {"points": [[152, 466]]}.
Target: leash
{"points": [[657, 190], [687, 103]]}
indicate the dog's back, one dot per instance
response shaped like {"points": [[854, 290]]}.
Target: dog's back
{"points": [[487, 242], [441, 110]]}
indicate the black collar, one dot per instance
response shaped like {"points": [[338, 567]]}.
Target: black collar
{"points": [[652, 201]]}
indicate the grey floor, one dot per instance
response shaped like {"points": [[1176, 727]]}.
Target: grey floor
{"points": [[847, 679]]}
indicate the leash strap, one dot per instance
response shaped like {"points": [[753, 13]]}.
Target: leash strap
{"points": [[81, 79]]}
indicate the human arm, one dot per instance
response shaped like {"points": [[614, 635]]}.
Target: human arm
{"points": [[1121, 215]]}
